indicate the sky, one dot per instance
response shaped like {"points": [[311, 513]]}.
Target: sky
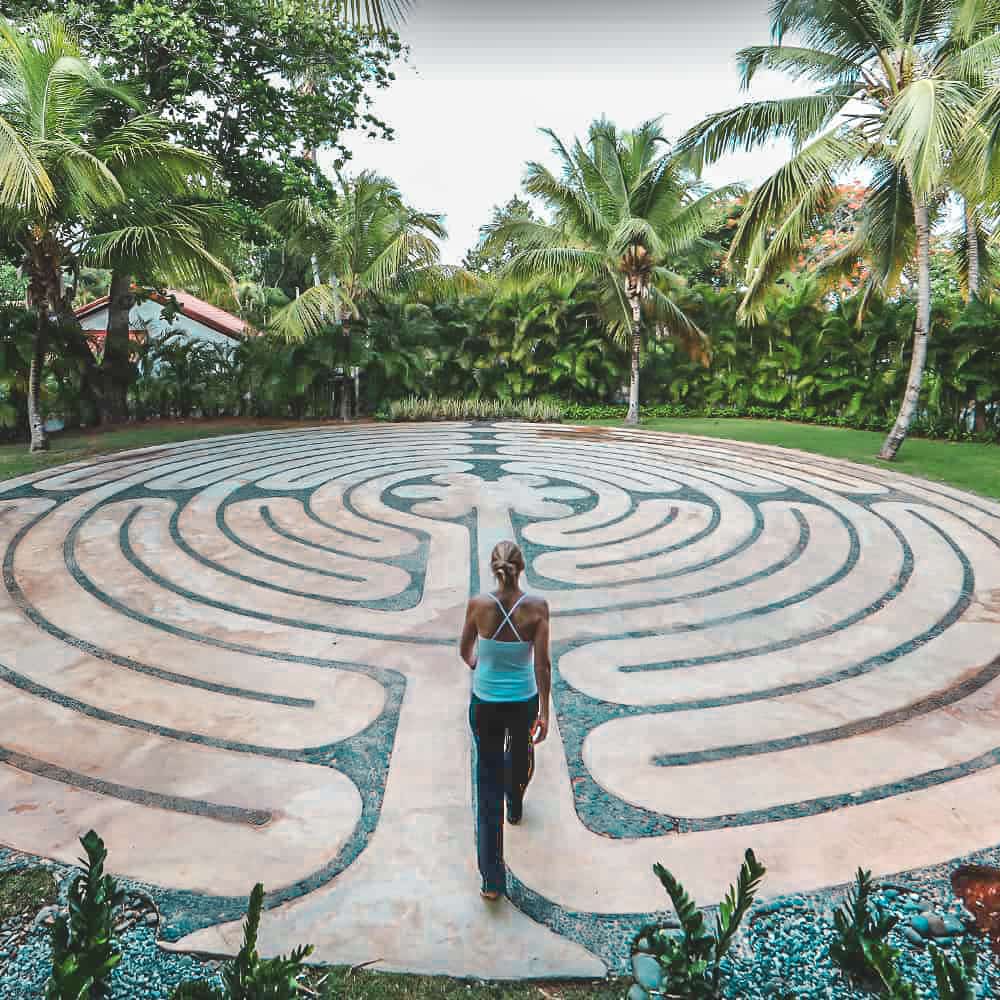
{"points": [[483, 77]]}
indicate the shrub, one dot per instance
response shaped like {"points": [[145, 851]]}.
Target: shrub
{"points": [[861, 930], [688, 960], [84, 951], [248, 976], [416, 408]]}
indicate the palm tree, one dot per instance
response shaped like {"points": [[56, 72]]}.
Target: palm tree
{"points": [[63, 168], [368, 244], [897, 88], [623, 209]]}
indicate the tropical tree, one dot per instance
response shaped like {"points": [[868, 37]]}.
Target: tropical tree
{"points": [[365, 246], [623, 209], [896, 90], [63, 170]]}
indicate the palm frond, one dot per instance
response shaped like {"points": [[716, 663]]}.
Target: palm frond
{"points": [[758, 122], [924, 123], [809, 64], [317, 307]]}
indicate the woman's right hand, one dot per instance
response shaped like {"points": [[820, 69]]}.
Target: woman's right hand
{"points": [[540, 729]]}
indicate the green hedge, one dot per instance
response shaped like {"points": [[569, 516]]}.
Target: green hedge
{"points": [[576, 413]]}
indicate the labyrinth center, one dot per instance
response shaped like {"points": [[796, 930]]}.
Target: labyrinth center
{"points": [[237, 660]]}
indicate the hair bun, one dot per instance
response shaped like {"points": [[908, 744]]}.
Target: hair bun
{"points": [[507, 561]]}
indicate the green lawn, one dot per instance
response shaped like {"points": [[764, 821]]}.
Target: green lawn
{"points": [[73, 446], [974, 467]]}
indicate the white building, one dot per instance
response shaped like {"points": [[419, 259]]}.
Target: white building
{"points": [[196, 319]]}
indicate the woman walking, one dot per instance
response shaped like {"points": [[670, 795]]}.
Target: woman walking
{"points": [[505, 642]]}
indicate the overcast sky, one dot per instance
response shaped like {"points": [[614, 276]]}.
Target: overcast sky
{"points": [[483, 78]]}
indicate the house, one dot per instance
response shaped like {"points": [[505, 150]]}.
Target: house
{"points": [[196, 319]]}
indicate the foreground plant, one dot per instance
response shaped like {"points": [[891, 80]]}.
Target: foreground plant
{"points": [[861, 930], [955, 979], [689, 959], [248, 976], [84, 951]]}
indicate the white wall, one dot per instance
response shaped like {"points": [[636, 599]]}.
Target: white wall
{"points": [[148, 316]]}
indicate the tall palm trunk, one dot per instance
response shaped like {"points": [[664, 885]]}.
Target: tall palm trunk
{"points": [[632, 417], [921, 329], [972, 249], [36, 424], [345, 383], [972, 243]]}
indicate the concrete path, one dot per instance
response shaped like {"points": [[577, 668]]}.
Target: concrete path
{"points": [[236, 660]]}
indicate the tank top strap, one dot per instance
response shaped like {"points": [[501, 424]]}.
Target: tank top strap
{"points": [[506, 616]]}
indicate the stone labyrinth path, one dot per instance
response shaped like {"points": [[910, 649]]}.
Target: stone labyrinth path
{"points": [[236, 659]]}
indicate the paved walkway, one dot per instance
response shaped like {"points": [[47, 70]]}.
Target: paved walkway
{"points": [[236, 659]]}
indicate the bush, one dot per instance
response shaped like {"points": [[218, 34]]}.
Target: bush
{"points": [[84, 951], [248, 976], [686, 962], [432, 408]]}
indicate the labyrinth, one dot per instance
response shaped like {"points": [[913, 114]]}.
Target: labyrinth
{"points": [[237, 660]]}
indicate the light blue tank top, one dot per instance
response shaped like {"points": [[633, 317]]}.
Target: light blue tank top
{"points": [[505, 671]]}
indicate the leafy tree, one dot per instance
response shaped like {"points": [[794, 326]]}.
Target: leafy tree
{"points": [[225, 74], [896, 90], [367, 244], [64, 170], [492, 259], [622, 211]]}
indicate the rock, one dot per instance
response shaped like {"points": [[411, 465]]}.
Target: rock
{"points": [[47, 916], [636, 992], [921, 925], [953, 925], [936, 925], [646, 970], [913, 937]]}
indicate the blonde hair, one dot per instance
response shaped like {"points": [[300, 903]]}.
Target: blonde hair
{"points": [[507, 563]]}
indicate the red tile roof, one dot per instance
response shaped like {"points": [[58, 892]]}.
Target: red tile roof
{"points": [[194, 308]]}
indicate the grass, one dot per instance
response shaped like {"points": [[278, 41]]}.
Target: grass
{"points": [[26, 890], [343, 984], [72, 446], [966, 466]]}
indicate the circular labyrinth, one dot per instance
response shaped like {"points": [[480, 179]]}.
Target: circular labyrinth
{"points": [[236, 659]]}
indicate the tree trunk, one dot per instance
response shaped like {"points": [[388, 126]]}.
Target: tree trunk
{"points": [[345, 385], [36, 423], [921, 329], [115, 366], [972, 242], [632, 417]]}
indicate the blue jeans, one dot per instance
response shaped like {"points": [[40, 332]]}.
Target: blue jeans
{"points": [[504, 760]]}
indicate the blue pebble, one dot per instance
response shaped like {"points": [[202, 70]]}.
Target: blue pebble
{"points": [[920, 925]]}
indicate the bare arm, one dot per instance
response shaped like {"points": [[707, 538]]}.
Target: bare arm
{"points": [[467, 644], [543, 669]]}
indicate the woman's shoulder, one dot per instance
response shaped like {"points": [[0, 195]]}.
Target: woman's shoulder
{"points": [[536, 604]]}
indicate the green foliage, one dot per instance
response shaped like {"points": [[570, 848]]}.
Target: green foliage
{"points": [[214, 66], [84, 951], [248, 976], [859, 948], [955, 978], [690, 958], [433, 408]]}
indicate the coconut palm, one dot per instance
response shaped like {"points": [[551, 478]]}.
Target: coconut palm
{"points": [[367, 245], [896, 90], [623, 208], [66, 169]]}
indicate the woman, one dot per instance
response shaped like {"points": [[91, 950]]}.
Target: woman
{"points": [[510, 701]]}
